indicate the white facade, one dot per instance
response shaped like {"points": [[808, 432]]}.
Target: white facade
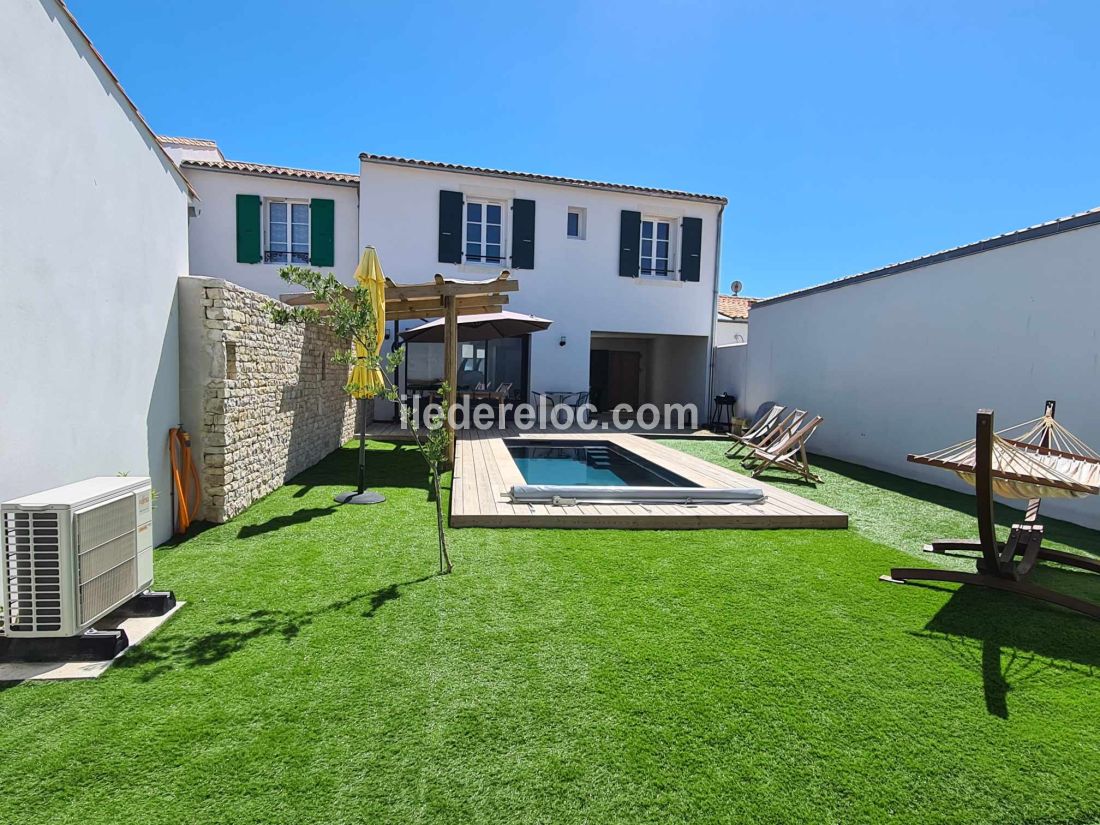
{"points": [[92, 240], [731, 372], [213, 230], [900, 364], [575, 281], [731, 331]]}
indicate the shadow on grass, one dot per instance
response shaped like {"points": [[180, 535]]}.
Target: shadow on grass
{"points": [[1080, 538], [233, 634], [306, 514], [387, 465], [197, 528], [1010, 640]]}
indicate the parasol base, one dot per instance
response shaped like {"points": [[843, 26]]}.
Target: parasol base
{"points": [[365, 497]]}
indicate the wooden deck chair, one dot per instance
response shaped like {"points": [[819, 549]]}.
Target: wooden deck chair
{"points": [[787, 425], [756, 431], [788, 452]]}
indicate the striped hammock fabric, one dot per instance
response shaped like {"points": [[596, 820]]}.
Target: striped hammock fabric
{"points": [[1036, 459]]}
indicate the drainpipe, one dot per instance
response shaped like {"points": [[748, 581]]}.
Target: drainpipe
{"points": [[714, 313]]}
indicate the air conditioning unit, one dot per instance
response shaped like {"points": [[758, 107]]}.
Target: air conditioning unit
{"points": [[73, 554]]}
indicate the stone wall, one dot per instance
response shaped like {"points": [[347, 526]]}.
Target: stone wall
{"points": [[262, 402]]}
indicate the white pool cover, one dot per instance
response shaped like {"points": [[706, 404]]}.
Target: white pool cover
{"points": [[562, 495]]}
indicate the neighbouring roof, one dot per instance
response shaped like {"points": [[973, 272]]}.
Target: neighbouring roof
{"points": [[735, 307], [276, 171], [186, 141], [1079, 220], [530, 176]]}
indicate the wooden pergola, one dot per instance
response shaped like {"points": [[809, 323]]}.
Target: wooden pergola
{"points": [[447, 298]]}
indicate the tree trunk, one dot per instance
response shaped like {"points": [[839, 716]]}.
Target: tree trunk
{"points": [[444, 559]]}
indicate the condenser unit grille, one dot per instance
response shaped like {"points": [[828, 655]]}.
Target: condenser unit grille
{"points": [[32, 561], [106, 545]]}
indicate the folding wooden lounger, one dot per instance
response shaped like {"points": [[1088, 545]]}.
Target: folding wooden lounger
{"points": [[787, 452]]}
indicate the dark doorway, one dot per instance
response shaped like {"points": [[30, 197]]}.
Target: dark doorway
{"points": [[615, 377]]}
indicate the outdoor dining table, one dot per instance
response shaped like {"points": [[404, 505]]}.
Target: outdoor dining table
{"points": [[558, 396]]}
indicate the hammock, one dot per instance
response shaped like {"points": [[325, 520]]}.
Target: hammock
{"points": [[1031, 460], [1036, 459]]}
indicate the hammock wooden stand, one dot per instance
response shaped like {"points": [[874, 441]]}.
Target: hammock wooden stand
{"points": [[1019, 467]]}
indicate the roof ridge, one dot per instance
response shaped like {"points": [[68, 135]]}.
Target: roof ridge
{"points": [[540, 178], [266, 168], [1078, 220], [187, 141]]}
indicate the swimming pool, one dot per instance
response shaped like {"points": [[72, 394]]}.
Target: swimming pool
{"points": [[588, 464]]}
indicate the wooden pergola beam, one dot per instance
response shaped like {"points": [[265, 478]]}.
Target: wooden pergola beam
{"points": [[442, 288], [399, 310], [440, 312]]}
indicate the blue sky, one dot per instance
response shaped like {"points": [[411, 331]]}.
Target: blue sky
{"points": [[845, 135]]}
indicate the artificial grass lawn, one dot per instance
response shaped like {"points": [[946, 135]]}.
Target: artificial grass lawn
{"points": [[321, 673]]}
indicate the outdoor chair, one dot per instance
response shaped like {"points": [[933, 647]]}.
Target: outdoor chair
{"points": [[501, 395], [787, 425], [788, 452], [578, 402], [763, 425]]}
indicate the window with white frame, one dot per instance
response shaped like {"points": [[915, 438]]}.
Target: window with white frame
{"points": [[656, 259], [574, 222], [484, 232], [287, 232]]}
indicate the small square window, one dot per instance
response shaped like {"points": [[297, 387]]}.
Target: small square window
{"points": [[574, 222]]}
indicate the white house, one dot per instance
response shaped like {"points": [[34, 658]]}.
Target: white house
{"points": [[627, 274], [92, 241], [251, 219]]}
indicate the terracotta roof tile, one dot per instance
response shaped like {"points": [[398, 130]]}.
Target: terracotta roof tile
{"points": [[186, 141], [590, 184], [733, 306], [277, 171]]}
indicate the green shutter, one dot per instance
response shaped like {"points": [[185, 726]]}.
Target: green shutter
{"points": [[691, 246], [322, 237], [523, 234], [248, 229], [450, 227], [630, 233]]}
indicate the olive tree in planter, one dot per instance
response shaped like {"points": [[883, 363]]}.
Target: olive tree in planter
{"points": [[350, 316]]}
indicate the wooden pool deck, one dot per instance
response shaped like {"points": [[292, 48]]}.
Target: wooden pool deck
{"points": [[484, 471]]}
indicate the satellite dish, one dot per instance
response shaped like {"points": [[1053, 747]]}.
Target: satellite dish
{"points": [[736, 287]]}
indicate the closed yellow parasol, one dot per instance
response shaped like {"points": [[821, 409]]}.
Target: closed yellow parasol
{"points": [[365, 381]]}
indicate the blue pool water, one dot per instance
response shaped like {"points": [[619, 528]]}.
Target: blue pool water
{"points": [[591, 463]]}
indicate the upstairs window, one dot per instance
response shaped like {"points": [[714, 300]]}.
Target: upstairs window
{"points": [[574, 223], [656, 259], [484, 242], [287, 232]]}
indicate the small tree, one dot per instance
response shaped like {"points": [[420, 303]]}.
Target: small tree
{"points": [[350, 316]]}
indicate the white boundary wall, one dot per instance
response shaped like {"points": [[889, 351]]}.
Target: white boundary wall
{"points": [[900, 364], [731, 363], [93, 235]]}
